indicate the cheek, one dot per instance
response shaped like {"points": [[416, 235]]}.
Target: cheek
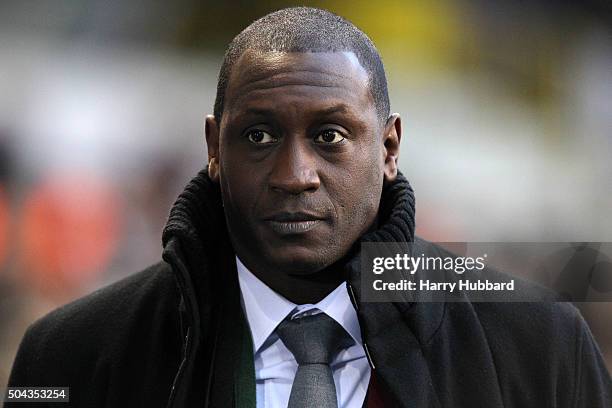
{"points": [[368, 200], [242, 178], [357, 193], [237, 187]]}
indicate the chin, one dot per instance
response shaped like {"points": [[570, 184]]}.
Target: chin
{"points": [[301, 260]]}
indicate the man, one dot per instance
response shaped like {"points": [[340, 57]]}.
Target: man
{"points": [[257, 302]]}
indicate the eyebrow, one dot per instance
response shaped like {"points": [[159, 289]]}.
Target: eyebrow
{"points": [[340, 108]]}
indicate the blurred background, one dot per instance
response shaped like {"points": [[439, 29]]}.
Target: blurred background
{"points": [[506, 107]]}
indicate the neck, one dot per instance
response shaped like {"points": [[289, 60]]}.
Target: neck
{"points": [[302, 289]]}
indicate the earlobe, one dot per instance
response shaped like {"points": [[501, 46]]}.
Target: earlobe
{"points": [[211, 130], [213, 170], [391, 143]]}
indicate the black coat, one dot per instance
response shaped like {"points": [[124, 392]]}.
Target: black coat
{"points": [[172, 335]]}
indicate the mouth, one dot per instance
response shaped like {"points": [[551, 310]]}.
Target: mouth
{"points": [[293, 222]]}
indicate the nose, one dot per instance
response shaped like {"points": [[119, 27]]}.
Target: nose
{"points": [[294, 171]]}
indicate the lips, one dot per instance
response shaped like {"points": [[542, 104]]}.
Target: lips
{"points": [[293, 222]]}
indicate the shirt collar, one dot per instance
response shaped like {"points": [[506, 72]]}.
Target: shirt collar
{"points": [[265, 309]]}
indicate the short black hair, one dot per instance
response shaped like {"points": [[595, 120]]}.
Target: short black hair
{"points": [[306, 29]]}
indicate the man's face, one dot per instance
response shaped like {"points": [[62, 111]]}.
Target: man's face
{"points": [[301, 159]]}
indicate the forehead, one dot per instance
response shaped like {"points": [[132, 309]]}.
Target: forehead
{"points": [[275, 79]]}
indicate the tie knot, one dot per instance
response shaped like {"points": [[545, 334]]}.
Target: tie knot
{"points": [[314, 339]]}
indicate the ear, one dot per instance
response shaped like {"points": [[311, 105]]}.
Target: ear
{"points": [[211, 130], [391, 143]]}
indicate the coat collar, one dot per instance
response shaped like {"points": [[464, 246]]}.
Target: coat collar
{"points": [[196, 244], [196, 234]]}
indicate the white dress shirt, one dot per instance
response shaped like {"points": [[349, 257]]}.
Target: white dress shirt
{"points": [[275, 366]]}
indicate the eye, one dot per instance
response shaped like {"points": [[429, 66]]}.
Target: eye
{"points": [[260, 137], [329, 136]]}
